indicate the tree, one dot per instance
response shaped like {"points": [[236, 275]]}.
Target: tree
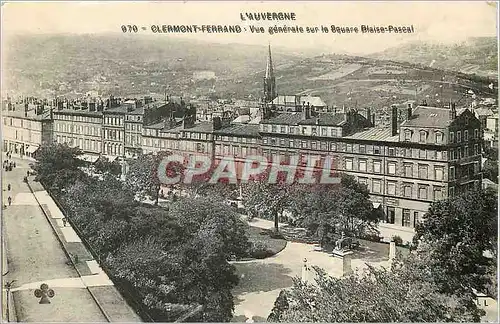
{"points": [[328, 210], [404, 294], [104, 166], [142, 177], [490, 170], [58, 165], [457, 238]]}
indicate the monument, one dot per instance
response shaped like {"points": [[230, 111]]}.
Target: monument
{"points": [[343, 252]]}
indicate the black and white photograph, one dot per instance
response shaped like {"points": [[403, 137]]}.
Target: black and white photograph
{"points": [[249, 161]]}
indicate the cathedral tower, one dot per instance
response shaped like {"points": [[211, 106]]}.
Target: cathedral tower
{"points": [[269, 80]]}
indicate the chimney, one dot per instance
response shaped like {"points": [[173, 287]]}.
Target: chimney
{"points": [[453, 111], [307, 111], [51, 113], [409, 111], [368, 115], [394, 120], [373, 119], [217, 123]]}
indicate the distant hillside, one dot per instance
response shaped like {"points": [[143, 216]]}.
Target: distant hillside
{"points": [[125, 63], [129, 65], [476, 55]]}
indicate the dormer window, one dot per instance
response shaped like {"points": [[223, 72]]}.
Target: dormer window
{"points": [[439, 137], [407, 135], [423, 136]]}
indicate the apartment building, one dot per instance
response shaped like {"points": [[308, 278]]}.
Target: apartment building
{"points": [[25, 126]]}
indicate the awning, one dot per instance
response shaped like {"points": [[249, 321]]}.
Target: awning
{"points": [[88, 158], [376, 205], [31, 149]]}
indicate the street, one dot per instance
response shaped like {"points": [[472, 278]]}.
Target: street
{"points": [[35, 255]]}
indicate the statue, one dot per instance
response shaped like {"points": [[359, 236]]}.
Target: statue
{"points": [[338, 243]]}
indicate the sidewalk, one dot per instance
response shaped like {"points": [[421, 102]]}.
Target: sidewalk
{"points": [[91, 276]]}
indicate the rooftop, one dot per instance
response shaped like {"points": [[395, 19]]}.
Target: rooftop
{"points": [[240, 129], [426, 116], [375, 134], [295, 118], [31, 114], [298, 100]]}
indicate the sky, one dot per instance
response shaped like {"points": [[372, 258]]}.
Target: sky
{"points": [[442, 22]]}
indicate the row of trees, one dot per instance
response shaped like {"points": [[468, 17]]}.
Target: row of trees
{"points": [[174, 259], [456, 253], [325, 210]]}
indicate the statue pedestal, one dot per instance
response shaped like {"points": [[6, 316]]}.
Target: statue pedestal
{"points": [[345, 256]]}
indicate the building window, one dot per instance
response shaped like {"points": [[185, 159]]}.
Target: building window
{"points": [[376, 186], [438, 173], [363, 181], [323, 146], [274, 128], [466, 151], [422, 192], [376, 166], [452, 137], [264, 128], [332, 146], [362, 165], [452, 173], [282, 142], [291, 143], [376, 150], [423, 136], [406, 218], [313, 145], [313, 131], [349, 148], [273, 141], [348, 163], [362, 149], [459, 153], [334, 132], [422, 171], [451, 192], [415, 219], [459, 137], [438, 193], [282, 129], [303, 130], [466, 135], [476, 133], [391, 188], [264, 140], [421, 154], [407, 135], [439, 137], [323, 131], [392, 151], [304, 144], [476, 149], [291, 130], [407, 190], [408, 170], [391, 168]]}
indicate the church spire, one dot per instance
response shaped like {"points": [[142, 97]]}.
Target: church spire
{"points": [[269, 67], [269, 80]]}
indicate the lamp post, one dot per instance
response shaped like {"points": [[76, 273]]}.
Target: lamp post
{"points": [[8, 287]]}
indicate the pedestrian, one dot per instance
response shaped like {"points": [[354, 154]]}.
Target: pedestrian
{"points": [[8, 187], [28, 173], [14, 163], [64, 220], [9, 200]]}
